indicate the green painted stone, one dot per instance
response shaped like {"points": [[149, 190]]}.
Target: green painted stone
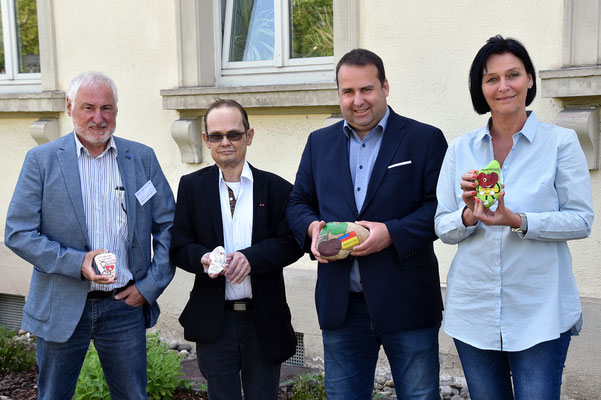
{"points": [[488, 184]]}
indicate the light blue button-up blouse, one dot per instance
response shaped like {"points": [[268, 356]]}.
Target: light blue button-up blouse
{"points": [[507, 291]]}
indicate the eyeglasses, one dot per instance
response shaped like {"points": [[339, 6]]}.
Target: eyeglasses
{"points": [[232, 137]]}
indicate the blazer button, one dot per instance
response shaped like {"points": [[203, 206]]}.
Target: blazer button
{"points": [[87, 248]]}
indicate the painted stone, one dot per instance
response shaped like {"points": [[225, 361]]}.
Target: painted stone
{"points": [[488, 184], [218, 260], [337, 239], [106, 264]]}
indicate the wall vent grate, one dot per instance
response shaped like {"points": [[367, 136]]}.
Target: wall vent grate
{"points": [[11, 310], [298, 359]]}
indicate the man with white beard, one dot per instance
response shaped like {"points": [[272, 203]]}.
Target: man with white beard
{"points": [[79, 196]]}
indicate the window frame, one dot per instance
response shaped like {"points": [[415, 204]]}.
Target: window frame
{"points": [[281, 62], [12, 76], [198, 36]]}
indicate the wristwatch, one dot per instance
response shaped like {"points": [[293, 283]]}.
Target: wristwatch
{"points": [[523, 226]]}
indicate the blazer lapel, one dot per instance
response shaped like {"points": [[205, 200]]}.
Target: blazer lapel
{"points": [[127, 169], [344, 171], [259, 204], [67, 156], [393, 136], [213, 203]]}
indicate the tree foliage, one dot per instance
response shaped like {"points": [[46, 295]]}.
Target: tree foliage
{"points": [[312, 29]]}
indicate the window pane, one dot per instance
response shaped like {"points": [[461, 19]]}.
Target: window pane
{"points": [[253, 30], [27, 36], [2, 62], [311, 28]]}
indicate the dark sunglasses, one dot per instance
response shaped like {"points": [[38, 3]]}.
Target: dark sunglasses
{"points": [[232, 137]]}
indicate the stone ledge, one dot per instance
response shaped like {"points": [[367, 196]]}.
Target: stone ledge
{"points": [[47, 101], [303, 95], [571, 82]]}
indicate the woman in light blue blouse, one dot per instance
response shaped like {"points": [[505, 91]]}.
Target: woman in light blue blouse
{"points": [[512, 301]]}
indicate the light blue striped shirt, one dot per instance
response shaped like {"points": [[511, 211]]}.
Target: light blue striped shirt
{"points": [[362, 157], [507, 291], [105, 218]]}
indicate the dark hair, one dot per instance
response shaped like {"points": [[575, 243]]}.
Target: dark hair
{"points": [[219, 103], [362, 57], [497, 45]]}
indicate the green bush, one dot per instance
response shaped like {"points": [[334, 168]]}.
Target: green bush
{"points": [[163, 369], [14, 356], [91, 384], [309, 387]]}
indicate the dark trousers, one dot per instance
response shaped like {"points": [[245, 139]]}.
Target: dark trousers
{"points": [[237, 355]]}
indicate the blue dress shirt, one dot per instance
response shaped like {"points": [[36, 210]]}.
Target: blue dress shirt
{"points": [[507, 291], [362, 157]]}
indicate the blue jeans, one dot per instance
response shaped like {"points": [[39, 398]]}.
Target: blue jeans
{"points": [[351, 354], [237, 353], [536, 371], [120, 339]]}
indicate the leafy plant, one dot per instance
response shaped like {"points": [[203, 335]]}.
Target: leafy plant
{"points": [[91, 384], [15, 356], [309, 387], [312, 28], [27, 20], [163, 369]]}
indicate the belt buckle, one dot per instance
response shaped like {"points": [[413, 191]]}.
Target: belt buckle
{"points": [[239, 306]]}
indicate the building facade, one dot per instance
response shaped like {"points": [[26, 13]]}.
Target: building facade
{"points": [[171, 58]]}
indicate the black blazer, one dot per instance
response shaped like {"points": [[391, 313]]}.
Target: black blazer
{"points": [[400, 283], [198, 229]]}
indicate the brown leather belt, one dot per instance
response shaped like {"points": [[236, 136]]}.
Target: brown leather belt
{"points": [[239, 305], [105, 294]]}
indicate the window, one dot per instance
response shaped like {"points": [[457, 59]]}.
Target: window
{"points": [[267, 37], [299, 72], [19, 45]]}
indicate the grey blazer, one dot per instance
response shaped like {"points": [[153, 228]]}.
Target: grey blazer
{"points": [[45, 226]]}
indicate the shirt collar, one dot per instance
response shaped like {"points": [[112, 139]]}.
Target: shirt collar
{"points": [[246, 174], [381, 127], [79, 147], [530, 127], [528, 130]]}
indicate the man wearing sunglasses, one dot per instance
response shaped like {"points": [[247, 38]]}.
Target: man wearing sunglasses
{"points": [[238, 318]]}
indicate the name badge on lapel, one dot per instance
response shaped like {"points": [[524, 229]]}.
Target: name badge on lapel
{"points": [[145, 192]]}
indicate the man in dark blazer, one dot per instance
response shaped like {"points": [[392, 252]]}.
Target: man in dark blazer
{"points": [[380, 169], [239, 318], [83, 194]]}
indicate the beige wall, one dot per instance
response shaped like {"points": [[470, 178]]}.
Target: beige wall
{"points": [[427, 48]]}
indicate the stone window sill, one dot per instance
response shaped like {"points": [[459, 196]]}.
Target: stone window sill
{"points": [[298, 95], [571, 82], [42, 102]]}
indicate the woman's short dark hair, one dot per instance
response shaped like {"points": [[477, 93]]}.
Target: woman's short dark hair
{"points": [[220, 103], [497, 45], [362, 57]]}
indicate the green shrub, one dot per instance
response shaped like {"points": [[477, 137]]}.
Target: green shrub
{"points": [[309, 387], [14, 356], [163, 369], [91, 384]]}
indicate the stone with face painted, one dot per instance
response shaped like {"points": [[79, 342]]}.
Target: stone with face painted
{"points": [[488, 184], [337, 239]]}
